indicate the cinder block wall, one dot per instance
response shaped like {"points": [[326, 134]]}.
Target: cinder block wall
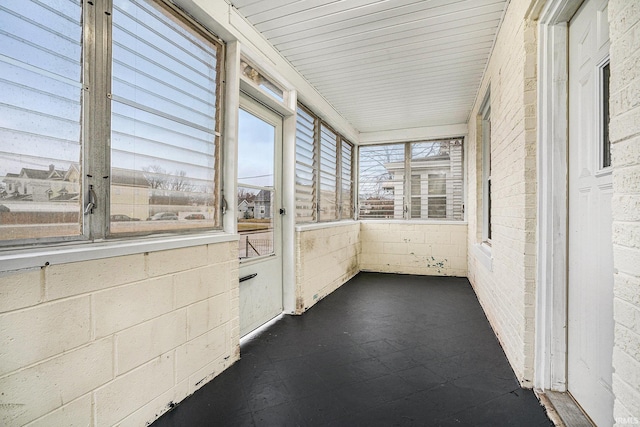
{"points": [[327, 256], [115, 340], [624, 18], [506, 289], [414, 248]]}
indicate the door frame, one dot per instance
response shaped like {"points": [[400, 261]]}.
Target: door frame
{"points": [[550, 365], [234, 82], [551, 337]]}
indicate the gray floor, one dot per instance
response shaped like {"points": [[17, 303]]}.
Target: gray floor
{"points": [[383, 350]]}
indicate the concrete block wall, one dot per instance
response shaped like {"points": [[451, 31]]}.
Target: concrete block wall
{"points": [[115, 341], [414, 248], [504, 280], [327, 256], [624, 19]]}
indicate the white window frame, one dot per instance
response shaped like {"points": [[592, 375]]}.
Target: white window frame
{"points": [[405, 185], [337, 173], [485, 117]]}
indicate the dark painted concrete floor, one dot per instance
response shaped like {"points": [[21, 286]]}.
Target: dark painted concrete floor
{"points": [[383, 350]]}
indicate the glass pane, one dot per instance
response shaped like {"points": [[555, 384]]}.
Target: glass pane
{"points": [[306, 168], [255, 222], [437, 184], [328, 174], [347, 181], [250, 72], [164, 123], [41, 119], [606, 143], [256, 195], [381, 176], [416, 196], [437, 207]]}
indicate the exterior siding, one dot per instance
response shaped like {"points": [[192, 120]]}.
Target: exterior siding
{"points": [[506, 290], [116, 340], [624, 18]]}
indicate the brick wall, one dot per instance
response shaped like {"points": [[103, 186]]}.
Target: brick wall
{"points": [[327, 256], [414, 248], [115, 340], [624, 18], [505, 285]]}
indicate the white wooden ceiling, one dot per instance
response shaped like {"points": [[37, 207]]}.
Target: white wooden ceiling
{"points": [[385, 64]]}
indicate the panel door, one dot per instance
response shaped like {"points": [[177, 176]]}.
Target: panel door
{"points": [[590, 281]]}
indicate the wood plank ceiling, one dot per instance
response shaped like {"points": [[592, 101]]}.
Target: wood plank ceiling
{"points": [[385, 64]]}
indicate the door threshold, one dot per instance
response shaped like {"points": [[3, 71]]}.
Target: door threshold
{"points": [[259, 330], [563, 410]]}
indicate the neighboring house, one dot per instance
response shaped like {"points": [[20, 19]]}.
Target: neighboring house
{"points": [[52, 190], [245, 209], [436, 186], [262, 202]]}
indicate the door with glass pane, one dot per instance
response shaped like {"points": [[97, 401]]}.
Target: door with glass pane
{"points": [[590, 333], [259, 220]]}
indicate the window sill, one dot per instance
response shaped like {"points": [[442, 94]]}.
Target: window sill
{"points": [[416, 221], [321, 225], [482, 252], [85, 251]]}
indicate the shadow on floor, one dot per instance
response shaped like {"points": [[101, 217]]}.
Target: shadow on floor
{"points": [[383, 350]]}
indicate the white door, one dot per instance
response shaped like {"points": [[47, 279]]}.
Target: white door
{"points": [[590, 293], [259, 219]]}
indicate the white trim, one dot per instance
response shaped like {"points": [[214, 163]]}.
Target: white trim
{"points": [[550, 370], [482, 252], [321, 225], [87, 251], [414, 134]]}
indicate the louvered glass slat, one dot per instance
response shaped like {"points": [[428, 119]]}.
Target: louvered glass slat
{"points": [[41, 124], [306, 168], [381, 175], [347, 181], [328, 179], [164, 113]]}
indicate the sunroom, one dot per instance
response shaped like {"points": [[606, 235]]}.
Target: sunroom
{"points": [[176, 174]]}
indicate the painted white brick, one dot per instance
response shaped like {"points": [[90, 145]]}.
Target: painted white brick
{"points": [[200, 378], [199, 284], [129, 392], [626, 260], [19, 289], [33, 392], [31, 335], [78, 413], [172, 261], [221, 252], [202, 350], [119, 308], [82, 277], [158, 406], [148, 340], [208, 314]]}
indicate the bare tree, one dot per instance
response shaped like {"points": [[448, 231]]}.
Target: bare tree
{"points": [[159, 179]]}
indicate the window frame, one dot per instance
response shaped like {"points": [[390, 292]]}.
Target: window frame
{"points": [[319, 124], [485, 136], [408, 184], [95, 122]]}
